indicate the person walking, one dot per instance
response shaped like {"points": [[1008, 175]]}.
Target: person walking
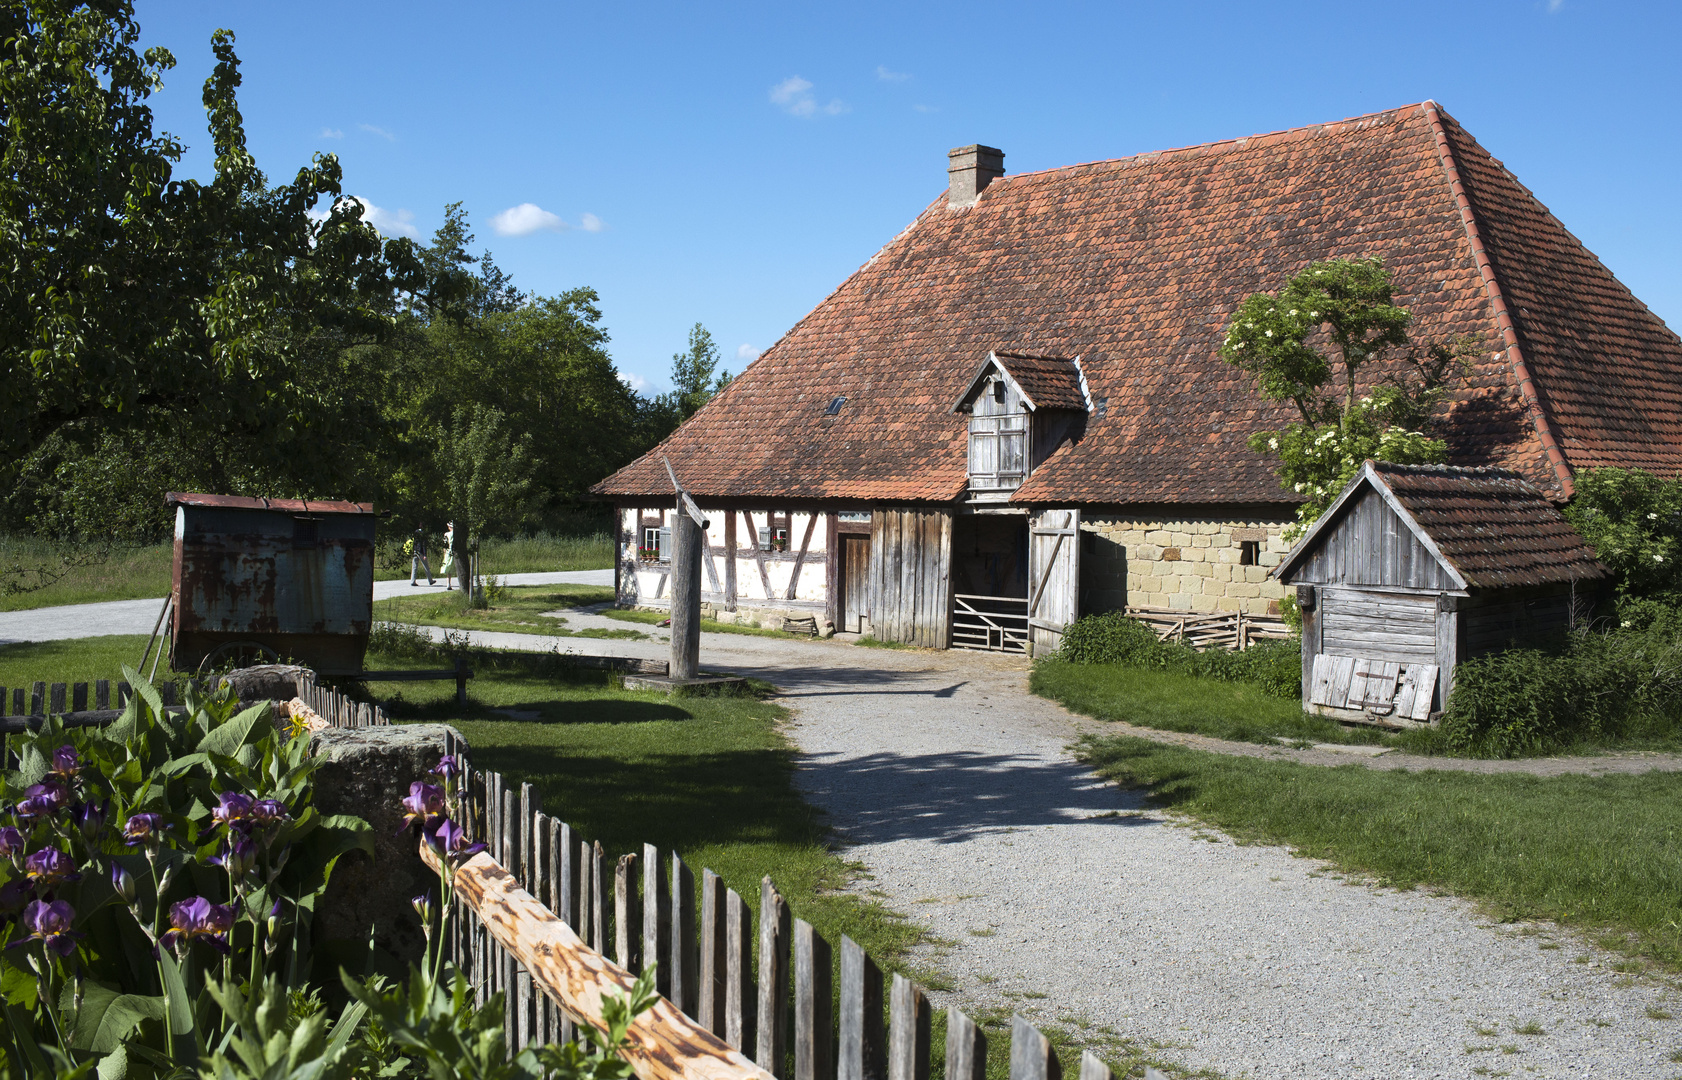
{"points": [[449, 559], [416, 548]]}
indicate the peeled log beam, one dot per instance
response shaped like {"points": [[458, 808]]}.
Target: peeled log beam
{"points": [[662, 1044]]}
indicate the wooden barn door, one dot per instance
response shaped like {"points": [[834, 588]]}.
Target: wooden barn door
{"points": [[911, 577], [855, 581], [1053, 576]]}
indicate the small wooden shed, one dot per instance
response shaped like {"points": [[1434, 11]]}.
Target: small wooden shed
{"points": [[1415, 568]]}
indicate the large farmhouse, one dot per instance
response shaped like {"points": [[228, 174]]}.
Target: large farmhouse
{"points": [[1016, 412]]}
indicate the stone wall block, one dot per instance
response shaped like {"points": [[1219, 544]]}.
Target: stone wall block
{"points": [[367, 772]]}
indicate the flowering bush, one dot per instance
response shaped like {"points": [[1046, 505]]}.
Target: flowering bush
{"points": [[1633, 520], [143, 862]]}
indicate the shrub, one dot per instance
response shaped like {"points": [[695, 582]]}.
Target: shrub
{"points": [[1113, 638]]}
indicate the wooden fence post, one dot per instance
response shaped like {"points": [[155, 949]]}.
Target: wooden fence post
{"points": [[626, 923], [1093, 1069], [966, 1048], [656, 919], [813, 1031], [908, 1031], [740, 1018], [539, 886], [773, 979], [1031, 1055], [681, 938], [569, 880], [710, 1010], [863, 1041], [598, 898]]}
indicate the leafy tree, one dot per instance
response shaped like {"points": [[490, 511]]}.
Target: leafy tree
{"points": [[486, 469], [1633, 520], [1280, 340], [693, 384]]}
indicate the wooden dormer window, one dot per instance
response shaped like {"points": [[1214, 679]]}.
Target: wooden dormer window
{"points": [[998, 438]]}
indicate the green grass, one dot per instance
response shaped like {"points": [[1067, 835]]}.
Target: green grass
{"points": [[126, 573], [1171, 701], [709, 777], [876, 643], [1597, 853], [80, 660], [707, 625], [542, 553], [520, 609]]}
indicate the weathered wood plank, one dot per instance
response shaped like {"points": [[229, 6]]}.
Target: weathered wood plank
{"points": [[862, 1049], [662, 1044], [682, 961], [656, 917], [813, 1030], [79, 697], [627, 919], [774, 932], [714, 943], [1093, 1068], [102, 694], [966, 1047], [598, 898], [740, 999], [1031, 1055], [909, 1022]]}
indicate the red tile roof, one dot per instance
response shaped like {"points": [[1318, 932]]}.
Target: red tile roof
{"points": [[1051, 382], [1135, 266]]}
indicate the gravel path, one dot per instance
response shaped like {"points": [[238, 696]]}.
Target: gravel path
{"points": [[1063, 897]]}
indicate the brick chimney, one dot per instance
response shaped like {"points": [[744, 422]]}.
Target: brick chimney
{"points": [[971, 168]]}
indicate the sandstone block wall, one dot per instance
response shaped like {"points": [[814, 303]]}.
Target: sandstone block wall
{"points": [[1193, 565]]}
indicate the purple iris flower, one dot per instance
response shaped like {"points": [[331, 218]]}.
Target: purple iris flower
{"points": [[49, 923], [11, 843], [239, 855], [33, 809], [50, 866], [269, 812], [424, 805], [66, 762], [42, 800], [450, 840], [123, 882], [232, 809], [145, 829], [199, 920], [423, 907], [90, 818], [448, 768]]}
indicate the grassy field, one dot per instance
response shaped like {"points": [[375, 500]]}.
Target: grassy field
{"points": [[519, 609], [1596, 853], [81, 660], [1171, 701], [125, 573], [542, 553], [654, 618]]}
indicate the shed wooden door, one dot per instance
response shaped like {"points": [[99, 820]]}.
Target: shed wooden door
{"points": [[911, 577], [855, 581], [1053, 576]]}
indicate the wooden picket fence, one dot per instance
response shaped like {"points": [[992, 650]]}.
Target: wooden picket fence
{"points": [[103, 700], [540, 913], [1224, 629]]}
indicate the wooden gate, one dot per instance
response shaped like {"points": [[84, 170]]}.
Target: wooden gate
{"points": [[854, 593], [911, 577], [1053, 576]]}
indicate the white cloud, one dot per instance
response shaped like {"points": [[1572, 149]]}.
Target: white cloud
{"points": [[591, 223], [890, 76], [388, 222], [525, 219], [793, 95], [747, 354], [381, 132], [636, 382], [332, 133]]}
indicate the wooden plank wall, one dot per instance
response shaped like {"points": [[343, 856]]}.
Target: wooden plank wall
{"points": [[1053, 576], [1497, 624], [1399, 628], [1370, 545], [911, 577]]}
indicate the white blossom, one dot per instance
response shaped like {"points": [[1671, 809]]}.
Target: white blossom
{"points": [[1270, 333], [1658, 558], [1273, 444], [1652, 517]]}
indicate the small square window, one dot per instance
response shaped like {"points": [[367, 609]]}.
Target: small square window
{"points": [[835, 406], [1249, 552]]}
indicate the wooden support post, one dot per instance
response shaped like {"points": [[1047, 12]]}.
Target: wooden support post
{"points": [[688, 543], [773, 979], [1031, 1055], [656, 918], [740, 1019], [709, 1007], [909, 1021], [681, 957], [627, 921], [966, 1048], [598, 897], [863, 1049], [1091, 1068], [813, 1030]]}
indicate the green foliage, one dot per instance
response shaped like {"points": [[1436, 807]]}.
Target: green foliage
{"points": [[1113, 638], [1348, 304], [1622, 684], [486, 471], [1633, 520]]}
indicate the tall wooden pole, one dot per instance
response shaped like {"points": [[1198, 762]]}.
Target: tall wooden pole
{"points": [[687, 545]]}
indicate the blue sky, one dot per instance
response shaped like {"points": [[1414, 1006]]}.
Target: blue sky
{"points": [[731, 164]]}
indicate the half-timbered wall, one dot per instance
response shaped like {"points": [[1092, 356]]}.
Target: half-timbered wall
{"points": [[1370, 545], [911, 577], [740, 579]]}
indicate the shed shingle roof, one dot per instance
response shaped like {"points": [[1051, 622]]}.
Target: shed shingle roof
{"points": [[1051, 382], [1135, 265]]}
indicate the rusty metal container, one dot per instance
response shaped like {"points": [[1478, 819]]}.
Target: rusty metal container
{"points": [[289, 576]]}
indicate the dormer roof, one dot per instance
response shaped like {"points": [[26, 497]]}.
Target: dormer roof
{"points": [[1044, 382]]}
